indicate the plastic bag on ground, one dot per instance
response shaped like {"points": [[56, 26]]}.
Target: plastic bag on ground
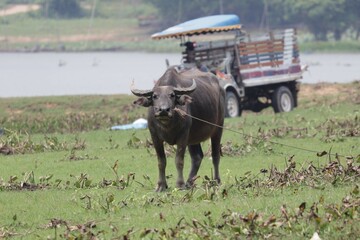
{"points": [[140, 123]]}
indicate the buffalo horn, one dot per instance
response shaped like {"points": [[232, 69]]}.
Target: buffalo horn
{"points": [[142, 93], [181, 91]]}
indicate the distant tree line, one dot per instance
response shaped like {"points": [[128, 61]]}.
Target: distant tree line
{"points": [[55, 8], [61, 8], [323, 18]]}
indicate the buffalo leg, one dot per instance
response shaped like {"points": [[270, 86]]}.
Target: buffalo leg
{"points": [[179, 161], [215, 153], [197, 155], [159, 147]]}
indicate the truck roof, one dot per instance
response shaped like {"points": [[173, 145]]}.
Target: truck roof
{"points": [[203, 25]]}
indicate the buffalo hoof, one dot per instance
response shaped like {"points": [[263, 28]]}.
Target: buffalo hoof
{"points": [[181, 185], [218, 180], [189, 184], [161, 187]]}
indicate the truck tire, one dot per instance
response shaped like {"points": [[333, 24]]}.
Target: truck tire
{"points": [[232, 108], [282, 100]]}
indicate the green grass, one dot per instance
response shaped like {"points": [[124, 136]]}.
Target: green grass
{"points": [[46, 115], [103, 181]]}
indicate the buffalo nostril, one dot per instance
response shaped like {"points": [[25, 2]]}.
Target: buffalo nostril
{"points": [[164, 109]]}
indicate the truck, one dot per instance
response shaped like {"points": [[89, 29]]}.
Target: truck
{"points": [[256, 71]]}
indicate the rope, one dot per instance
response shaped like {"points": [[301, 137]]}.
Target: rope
{"points": [[183, 113]]}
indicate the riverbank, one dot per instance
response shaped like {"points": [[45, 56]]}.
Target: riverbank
{"points": [[142, 43]]}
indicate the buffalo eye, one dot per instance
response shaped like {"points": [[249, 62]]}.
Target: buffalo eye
{"points": [[155, 96], [172, 95]]}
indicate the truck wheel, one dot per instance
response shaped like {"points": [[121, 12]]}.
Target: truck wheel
{"points": [[282, 100], [232, 105]]}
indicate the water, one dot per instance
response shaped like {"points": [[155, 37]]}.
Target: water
{"points": [[46, 74], [340, 68]]}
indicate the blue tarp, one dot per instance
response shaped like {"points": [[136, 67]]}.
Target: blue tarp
{"points": [[203, 25]]}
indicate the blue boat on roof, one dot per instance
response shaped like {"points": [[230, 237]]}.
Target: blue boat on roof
{"points": [[203, 25]]}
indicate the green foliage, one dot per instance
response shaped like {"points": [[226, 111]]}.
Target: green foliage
{"points": [[321, 17], [248, 10], [62, 9]]}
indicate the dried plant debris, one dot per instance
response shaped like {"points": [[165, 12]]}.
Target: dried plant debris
{"points": [[249, 144], [27, 183], [74, 231], [74, 156], [30, 182], [334, 172], [329, 131], [331, 128], [18, 143], [337, 130], [6, 233], [68, 123], [134, 142], [310, 175], [300, 222]]}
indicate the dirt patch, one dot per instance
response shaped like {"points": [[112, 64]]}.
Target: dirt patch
{"points": [[19, 8], [320, 89], [110, 36], [51, 105], [72, 38], [337, 92]]}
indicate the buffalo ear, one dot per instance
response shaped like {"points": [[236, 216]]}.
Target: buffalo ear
{"points": [[183, 99], [143, 101]]}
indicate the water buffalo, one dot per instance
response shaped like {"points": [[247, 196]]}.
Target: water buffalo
{"points": [[197, 94]]}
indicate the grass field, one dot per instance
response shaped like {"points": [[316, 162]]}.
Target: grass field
{"points": [[63, 174]]}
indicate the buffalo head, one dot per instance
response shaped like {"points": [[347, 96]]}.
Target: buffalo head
{"points": [[163, 99]]}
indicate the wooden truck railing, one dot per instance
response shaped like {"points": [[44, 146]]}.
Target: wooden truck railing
{"points": [[271, 60], [274, 51], [271, 56]]}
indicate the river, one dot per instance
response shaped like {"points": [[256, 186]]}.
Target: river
{"points": [[50, 74]]}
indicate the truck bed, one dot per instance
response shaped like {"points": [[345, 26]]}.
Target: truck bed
{"points": [[271, 59], [268, 59]]}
